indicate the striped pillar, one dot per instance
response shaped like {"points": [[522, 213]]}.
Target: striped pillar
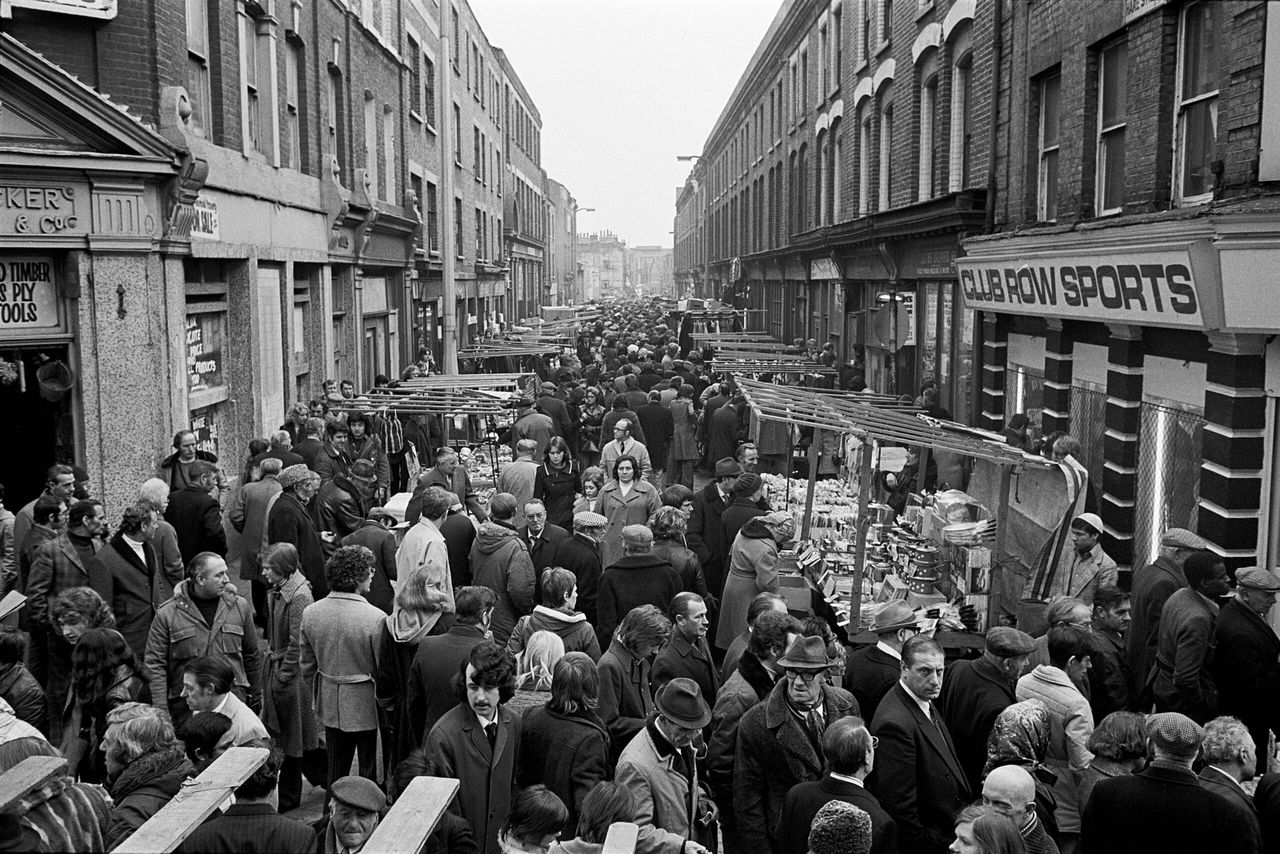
{"points": [[1058, 349], [1234, 436], [995, 358], [1120, 442]]}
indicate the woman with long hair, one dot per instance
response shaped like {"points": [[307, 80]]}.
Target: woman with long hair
{"points": [[982, 830], [556, 483], [105, 673], [534, 671], [592, 483]]}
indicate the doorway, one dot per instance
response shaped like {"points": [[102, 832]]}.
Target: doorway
{"points": [[35, 432], [377, 355]]}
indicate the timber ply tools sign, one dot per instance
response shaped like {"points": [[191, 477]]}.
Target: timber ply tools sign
{"points": [[1139, 287], [28, 293]]}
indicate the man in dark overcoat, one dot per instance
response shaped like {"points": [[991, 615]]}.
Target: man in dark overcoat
{"points": [[873, 670], [687, 653], [706, 530], [438, 657], [1152, 587], [1246, 663], [289, 521]]}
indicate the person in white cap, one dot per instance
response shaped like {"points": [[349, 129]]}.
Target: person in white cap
{"points": [[1246, 662], [1152, 587], [1088, 567]]}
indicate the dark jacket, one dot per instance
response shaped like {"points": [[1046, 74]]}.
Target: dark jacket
{"points": [[1246, 669], [659, 427], [1152, 587], [542, 551], [568, 754], [332, 460], [574, 629], [1266, 799], [500, 561], [1110, 684], [678, 657], [1184, 657], [686, 565], [706, 537], [724, 433], [401, 637], [869, 675], [581, 555], [747, 685], [626, 700], [634, 580], [382, 543], [917, 777], [974, 693], [1160, 810], [250, 827], [1217, 781], [309, 449], [804, 801], [775, 751], [736, 515], [435, 664], [459, 535], [613, 416], [557, 488], [555, 409], [340, 507], [143, 787], [168, 467], [289, 522], [24, 694], [133, 588], [197, 518]]}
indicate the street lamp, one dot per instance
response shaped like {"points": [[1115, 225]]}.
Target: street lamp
{"points": [[884, 298], [687, 158]]}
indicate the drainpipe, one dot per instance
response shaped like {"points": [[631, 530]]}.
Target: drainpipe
{"points": [[997, 59]]}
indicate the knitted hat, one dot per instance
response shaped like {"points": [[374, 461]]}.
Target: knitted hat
{"points": [[840, 828], [294, 475], [747, 483]]}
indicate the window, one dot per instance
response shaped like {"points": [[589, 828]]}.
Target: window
{"points": [[479, 234], [333, 108], [429, 91], [802, 182], [864, 165], [475, 153], [249, 66], [824, 68], [928, 126], [792, 105], [837, 48], [432, 211], [457, 134], [1197, 130], [292, 62], [886, 21], [864, 31], [414, 59], [371, 145], [457, 227], [198, 62], [804, 82], [1050, 114], [388, 153], [1113, 74], [886, 157], [820, 180], [961, 108], [457, 42], [837, 167]]}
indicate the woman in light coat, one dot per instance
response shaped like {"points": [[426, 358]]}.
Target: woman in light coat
{"points": [[625, 500], [753, 569]]}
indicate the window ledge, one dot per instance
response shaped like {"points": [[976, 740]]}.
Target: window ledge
{"points": [[882, 47], [923, 9], [413, 114], [860, 66], [430, 128]]}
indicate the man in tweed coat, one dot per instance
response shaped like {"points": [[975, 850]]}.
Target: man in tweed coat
{"points": [[341, 638]]}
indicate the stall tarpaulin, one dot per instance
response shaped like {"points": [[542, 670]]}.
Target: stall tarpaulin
{"points": [[1042, 503]]}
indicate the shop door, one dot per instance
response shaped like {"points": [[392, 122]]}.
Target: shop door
{"points": [[35, 432], [377, 357]]}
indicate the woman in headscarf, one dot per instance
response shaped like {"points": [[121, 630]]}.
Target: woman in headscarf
{"points": [[753, 569], [421, 610], [1020, 737]]}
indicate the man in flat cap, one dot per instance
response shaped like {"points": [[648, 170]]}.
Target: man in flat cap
{"points": [[1246, 663], [976, 691], [580, 554], [1163, 809], [356, 805], [873, 670], [289, 520], [1152, 587]]}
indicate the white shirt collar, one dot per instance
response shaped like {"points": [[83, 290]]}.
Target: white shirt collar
{"points": [[923, 704], [888, 650], [485, 723], [845, 778], [223, 705]]}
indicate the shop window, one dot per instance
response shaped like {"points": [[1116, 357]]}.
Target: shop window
{"points": [[1168, 487], [1113, 74], [1048, 134], [1197, 128], [206, 332]]}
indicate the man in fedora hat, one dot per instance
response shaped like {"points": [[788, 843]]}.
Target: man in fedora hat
{"points": [[1245, 666], [660, 768], [780, 739], [977, 691], [873, 670], [705, 534]]}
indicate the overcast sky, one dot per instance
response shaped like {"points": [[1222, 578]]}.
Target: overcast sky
{"points": [[623, 87]]}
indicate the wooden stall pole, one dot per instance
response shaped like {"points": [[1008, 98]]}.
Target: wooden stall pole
{"points": [[864, 501], [622, 838], [998, 557], [413, 817], [814, 449], [923, 468], [195, 802]]}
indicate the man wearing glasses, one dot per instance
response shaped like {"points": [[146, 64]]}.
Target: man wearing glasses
{"points": [[918, 776], [780, 740]]}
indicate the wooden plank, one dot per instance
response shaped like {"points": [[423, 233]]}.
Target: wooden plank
{"points": [[195, 802], [27, 776], [413, 817], [622, 838], [998, 559]]}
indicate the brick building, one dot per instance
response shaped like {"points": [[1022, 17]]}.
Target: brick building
{"points": [[526, 204], [650, 270], [602, 257], [838, 180], [248, 194], [563, 272], [1127, 296]]}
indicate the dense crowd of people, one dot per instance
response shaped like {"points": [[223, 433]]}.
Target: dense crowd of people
{"points": [[598, 641]]}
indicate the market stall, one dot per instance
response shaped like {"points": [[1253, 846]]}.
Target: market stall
{"points": [[943, 549]]}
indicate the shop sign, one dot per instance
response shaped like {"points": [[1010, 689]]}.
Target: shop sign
{"points": [[102, 9], [205, 336], [204, 423], [205, 221], [28, 293], [1134, 287], [1135, 9], [907, 319], [42, 209], [823, 269]]}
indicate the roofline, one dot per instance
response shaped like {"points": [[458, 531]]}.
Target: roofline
{"points": [[519, 84]]}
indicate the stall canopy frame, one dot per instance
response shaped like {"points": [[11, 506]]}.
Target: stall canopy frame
{"points": [[868, 419]]}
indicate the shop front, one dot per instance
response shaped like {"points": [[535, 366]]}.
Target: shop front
{"points": [[1147, 343]]}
